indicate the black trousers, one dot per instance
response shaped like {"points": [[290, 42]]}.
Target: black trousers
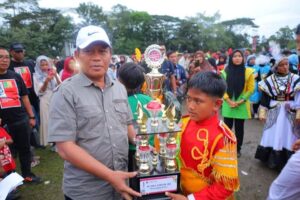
{"points": [[20, 132], [239, 129], [255, 107], [67, 198]]}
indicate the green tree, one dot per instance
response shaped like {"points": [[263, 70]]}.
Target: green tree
{"points": [[239, 24], [284, 35], [42, 32], [91, 14]]}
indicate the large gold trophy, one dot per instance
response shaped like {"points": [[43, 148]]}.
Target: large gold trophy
{"points": [[157, 169]]}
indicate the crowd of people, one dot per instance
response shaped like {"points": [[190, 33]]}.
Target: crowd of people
{"points": [[85, 108]]}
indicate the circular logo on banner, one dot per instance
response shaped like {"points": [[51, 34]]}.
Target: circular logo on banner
{"points": [[153, 56]]}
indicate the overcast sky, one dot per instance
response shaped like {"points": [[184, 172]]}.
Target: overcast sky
{"points": [[270, 15]]}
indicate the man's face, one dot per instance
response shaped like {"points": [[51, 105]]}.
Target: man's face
{"points": [[18, 55], [173, 58], [200, 106], [94, 60], [4, 60], [298, 43]]}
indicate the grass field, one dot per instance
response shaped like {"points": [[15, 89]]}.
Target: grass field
{"points": [[51, 171]]}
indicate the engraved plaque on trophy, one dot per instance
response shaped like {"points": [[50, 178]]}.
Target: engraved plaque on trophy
{"points": [[157, 168]]}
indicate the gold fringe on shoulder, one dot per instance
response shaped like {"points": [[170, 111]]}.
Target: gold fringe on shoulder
{"points": [[225, 166]]}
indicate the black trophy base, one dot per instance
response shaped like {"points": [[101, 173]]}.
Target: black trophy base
{"points": [[154, 185]]}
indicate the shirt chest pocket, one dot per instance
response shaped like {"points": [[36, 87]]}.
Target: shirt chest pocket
{"points": [[90, 121], [121, 112]]}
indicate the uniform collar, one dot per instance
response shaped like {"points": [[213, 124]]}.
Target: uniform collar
{"points": [[210, 121]]}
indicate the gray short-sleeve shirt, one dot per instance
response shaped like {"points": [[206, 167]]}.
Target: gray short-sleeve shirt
{"points": [[97, 121]]}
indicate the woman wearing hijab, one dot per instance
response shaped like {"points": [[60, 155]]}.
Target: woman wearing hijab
{"points": [[69, 68], [280, 109], [255, 97], [45, 80], [222, 62], [240, 86]]}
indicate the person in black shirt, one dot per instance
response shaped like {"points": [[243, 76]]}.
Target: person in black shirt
{"points": [[16, 112], [26, 69]]}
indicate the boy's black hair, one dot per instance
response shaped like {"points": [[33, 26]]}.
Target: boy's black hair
{"points": [[131, 75], [208, 82]]}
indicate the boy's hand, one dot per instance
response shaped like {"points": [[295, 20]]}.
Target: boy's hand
{"points": [[176, 196]]}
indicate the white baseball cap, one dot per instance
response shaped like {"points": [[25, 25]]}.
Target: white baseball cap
{"points": [[90, 34]]}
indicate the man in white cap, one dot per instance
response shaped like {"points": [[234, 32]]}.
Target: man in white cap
{"points": [[90, 121]]}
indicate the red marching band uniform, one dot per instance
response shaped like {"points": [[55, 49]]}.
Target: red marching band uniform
{"points": [[207, 160]]}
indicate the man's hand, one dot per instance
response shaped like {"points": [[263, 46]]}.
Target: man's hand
{"points": [[296, 145], [32, 122], [118, 181], [176, 196]]}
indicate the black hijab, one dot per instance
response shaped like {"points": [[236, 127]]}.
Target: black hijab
{"points": [[235, 76], [224, 62]]}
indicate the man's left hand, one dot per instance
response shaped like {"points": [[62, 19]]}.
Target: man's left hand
{"points": [[32, 122], [176, 196]]}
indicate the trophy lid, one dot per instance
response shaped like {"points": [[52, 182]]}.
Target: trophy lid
{"points": [[153, 56]]}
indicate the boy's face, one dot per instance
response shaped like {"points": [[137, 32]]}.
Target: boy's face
{"points": [[201, 106]]}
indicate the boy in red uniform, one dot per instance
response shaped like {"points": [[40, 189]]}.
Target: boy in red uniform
{"points": [[207, 156]]}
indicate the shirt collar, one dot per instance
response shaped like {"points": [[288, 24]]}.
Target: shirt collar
{"points": [[85, 81]]}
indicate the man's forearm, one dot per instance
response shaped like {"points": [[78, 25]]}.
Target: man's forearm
{"points": [[74, 154], [131, 134], [27, 106], [173, 83]]}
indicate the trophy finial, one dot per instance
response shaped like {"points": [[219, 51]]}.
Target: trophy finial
{"points": [[140, 113], [144, 120], [171, 113]]}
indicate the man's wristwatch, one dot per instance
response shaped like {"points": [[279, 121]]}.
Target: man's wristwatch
{"points": [[32, 117]]}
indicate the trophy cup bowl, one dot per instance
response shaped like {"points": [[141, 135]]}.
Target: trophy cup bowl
{"points": [[154, 83]]}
